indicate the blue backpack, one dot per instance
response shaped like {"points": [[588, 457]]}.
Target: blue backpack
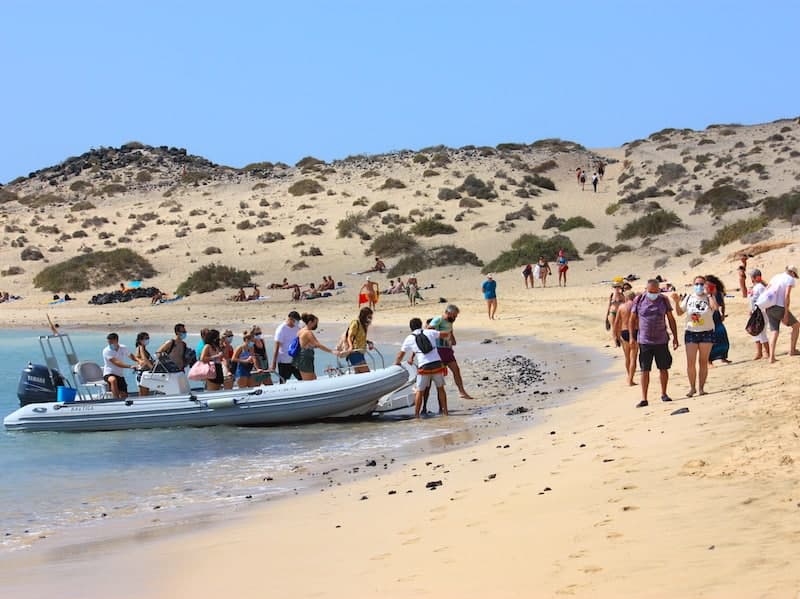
{"points": [[294, 347]]}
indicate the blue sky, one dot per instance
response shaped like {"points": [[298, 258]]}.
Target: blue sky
{"points": [[242, 82]]}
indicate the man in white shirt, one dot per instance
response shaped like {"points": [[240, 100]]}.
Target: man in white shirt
{"points": [[429, 364], [782, 285], [284, 335], [114, 356]]}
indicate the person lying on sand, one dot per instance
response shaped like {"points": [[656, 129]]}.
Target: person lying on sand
{"points": [[379, 266]]}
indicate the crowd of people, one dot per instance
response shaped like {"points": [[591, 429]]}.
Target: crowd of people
{"points": [[644, 325], [533, 273]]}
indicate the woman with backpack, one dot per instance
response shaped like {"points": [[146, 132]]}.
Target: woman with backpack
{"points": [[761, 340], [307, 342], [356, 342]]}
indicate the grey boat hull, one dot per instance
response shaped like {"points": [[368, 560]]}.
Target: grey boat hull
{"points": [[335, 397]]}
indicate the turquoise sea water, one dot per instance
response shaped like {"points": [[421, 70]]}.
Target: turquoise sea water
{"points": [[52, 482]]}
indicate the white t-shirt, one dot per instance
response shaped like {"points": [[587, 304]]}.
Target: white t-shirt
{"points": [[699, 314], [121, 354], [755, 293], [285, 334], [780, 283], [410, 345]]}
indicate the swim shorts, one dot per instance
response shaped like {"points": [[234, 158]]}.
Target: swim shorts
{"points": [[659, 352]]}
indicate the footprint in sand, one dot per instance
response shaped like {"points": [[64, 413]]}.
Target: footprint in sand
{"points": [[567, 590], [577, 554], [591, 569], [614, 535], [615, 500], [628, 487], [412, 541], [605, 522], [382, 556], [630, 508], [440, 549]]}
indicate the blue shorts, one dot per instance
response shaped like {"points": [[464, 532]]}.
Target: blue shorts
{"points": [[699, 337], [356, 358]]}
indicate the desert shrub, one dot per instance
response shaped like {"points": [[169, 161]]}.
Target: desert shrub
{"points": [[756, 167], [612, 208], [381, 206], [544, 167], [270, 237], [475, 187], [430, 173], [655, 223], [258, 166], [469, 203], [392, 184], [429, 227], [597, 247], [669, 172], [214, 276], [549, 205], [79, 234], [309, 162], [299, 265], [650, 192], [722, 198], [527, 248], [785, 206], [408, 264], [445, 193], [510, 146], [93, 270], [148, 216], [305, 187], [520, 192], [144, 177], [524, 213], [79, 185], [306, 229], [733, 232], [243, 225], [393, 244], [111, 189], [48, 229], [212, 250], [420, 158], [540, 181], [12, 271], [95, 221], [81, 206], [351, 225], [370, 173], [41, 201], [552, 222], [440, 159], [575, 222], [446, 255]]}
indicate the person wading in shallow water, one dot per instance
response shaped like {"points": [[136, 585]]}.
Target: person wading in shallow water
{"points": [[650, 315], [445, 344]]}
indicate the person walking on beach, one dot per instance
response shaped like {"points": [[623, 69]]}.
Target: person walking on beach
{"points": [[412, 289], [595, 179], [699, 307], [761, 340], [776, 301], [650, 315], [429, 363], [582, 179], [722, 344], [114, 356], [563, 267], [285, 333], [544, 270], [630, 345], [527, 275], [446, 343], [368, 294], [743, 275], [489, 289]]}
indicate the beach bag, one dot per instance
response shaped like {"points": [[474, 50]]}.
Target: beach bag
{"points": [[423, 343], [755, 324], [294, 347], [768, 298], [201, 371]]}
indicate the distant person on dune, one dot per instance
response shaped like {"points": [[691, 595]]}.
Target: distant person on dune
{"points": [[582, 179], [595, 180]]}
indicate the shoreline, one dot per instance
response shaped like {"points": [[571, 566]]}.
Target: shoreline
{"points": [[484, 420]]}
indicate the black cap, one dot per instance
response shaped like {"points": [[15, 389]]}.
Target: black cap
{"points": [[294, 315]]}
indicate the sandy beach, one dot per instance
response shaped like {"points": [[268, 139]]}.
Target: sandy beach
{"points": [[592, 498]]}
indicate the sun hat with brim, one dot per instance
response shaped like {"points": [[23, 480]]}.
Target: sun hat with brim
{"points": [[792, 270]]}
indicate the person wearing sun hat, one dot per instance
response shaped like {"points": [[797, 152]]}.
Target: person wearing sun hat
{"points": [[776, 302], [489, 288]]}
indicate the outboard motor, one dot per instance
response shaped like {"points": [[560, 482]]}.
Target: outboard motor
{"points": [[36, 385]]}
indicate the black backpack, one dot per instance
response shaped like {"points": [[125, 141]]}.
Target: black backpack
{"points": [[423, 343], [755, 324]]}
